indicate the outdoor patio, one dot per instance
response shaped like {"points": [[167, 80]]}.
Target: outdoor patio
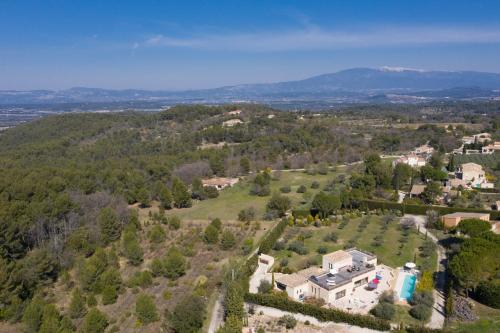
{"points": [[362, 299]]}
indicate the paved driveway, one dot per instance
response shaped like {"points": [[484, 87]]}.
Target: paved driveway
{"points": [[259, 275]]}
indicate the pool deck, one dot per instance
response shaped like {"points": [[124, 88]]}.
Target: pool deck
{"points": [[401, 275]]}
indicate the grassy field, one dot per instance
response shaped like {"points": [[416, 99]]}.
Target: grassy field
{"points": [[390, 252], [489, 321], [236, 198]]}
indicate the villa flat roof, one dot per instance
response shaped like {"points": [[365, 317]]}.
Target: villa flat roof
{"points": [[340, 278], [466, 214], [338, 255], [291, 280], [343, 276]]}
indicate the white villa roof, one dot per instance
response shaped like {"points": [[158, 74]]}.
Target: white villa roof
{"points": [[338, 255]]}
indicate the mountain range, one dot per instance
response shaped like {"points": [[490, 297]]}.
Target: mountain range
{"points": [[386, 84]]}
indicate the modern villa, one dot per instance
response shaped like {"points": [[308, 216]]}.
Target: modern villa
{"points": [[341, 273]]}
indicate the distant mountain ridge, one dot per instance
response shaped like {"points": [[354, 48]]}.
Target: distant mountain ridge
{"points": [[351, 85]]}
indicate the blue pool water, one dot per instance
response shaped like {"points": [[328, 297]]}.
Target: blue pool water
{"points": [[408, 287]]}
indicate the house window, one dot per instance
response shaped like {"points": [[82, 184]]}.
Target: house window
{"points": [[340, 294], [361, 282]]}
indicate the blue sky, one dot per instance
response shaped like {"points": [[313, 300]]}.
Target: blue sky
{"points": [[198, 44]]}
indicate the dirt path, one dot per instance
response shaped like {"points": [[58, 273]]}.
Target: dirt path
{"points": [[217, 315], [438, 310]]}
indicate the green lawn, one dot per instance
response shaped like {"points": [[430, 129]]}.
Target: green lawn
{"points": [[388, 252], [403, 316], [232, 200]]}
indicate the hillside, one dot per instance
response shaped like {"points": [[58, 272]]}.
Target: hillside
{"points": [[103, 220]]}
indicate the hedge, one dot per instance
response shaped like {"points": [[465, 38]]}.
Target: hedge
{"points": [[268, 242], [322, 314], [422, 209], [488, 190]]}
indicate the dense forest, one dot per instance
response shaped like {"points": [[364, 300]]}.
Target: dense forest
{"points": [[67, 181]]}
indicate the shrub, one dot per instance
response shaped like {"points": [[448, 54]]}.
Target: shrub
{"points": [[91, 300], [157, 234], [246, 215], [211, 235], [383, 310], [426, 282], [211, 192], [95, 322], [279, 245], [428, 248], [298, 247], [145, 309], [156, 267], [141, 279], [285, 189], [288, 321], [228, 240], [279, 203], [322, 250], [302, 189], [422, 298], [315, 185], [265, 286], [331, 237], [488, 293], [109, 295], [421, 312], [247, 246], [315, 301], [174, 222], [217, 223], [387, 297]]}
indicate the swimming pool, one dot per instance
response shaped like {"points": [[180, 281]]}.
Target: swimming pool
{"points": [[408, 287]]}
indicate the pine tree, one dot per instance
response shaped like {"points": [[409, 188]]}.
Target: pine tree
{"points": [[143, 197], [157, 235], [50, 319], [182, 198], [109, 295], [174, 264], [95, 322], [165, 197], [211, 234], [228, 240], [109, 224], [131, 248], [77, 308], [32, 317]]}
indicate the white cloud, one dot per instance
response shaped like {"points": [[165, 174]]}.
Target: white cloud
{"points": [[313, 38]]}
